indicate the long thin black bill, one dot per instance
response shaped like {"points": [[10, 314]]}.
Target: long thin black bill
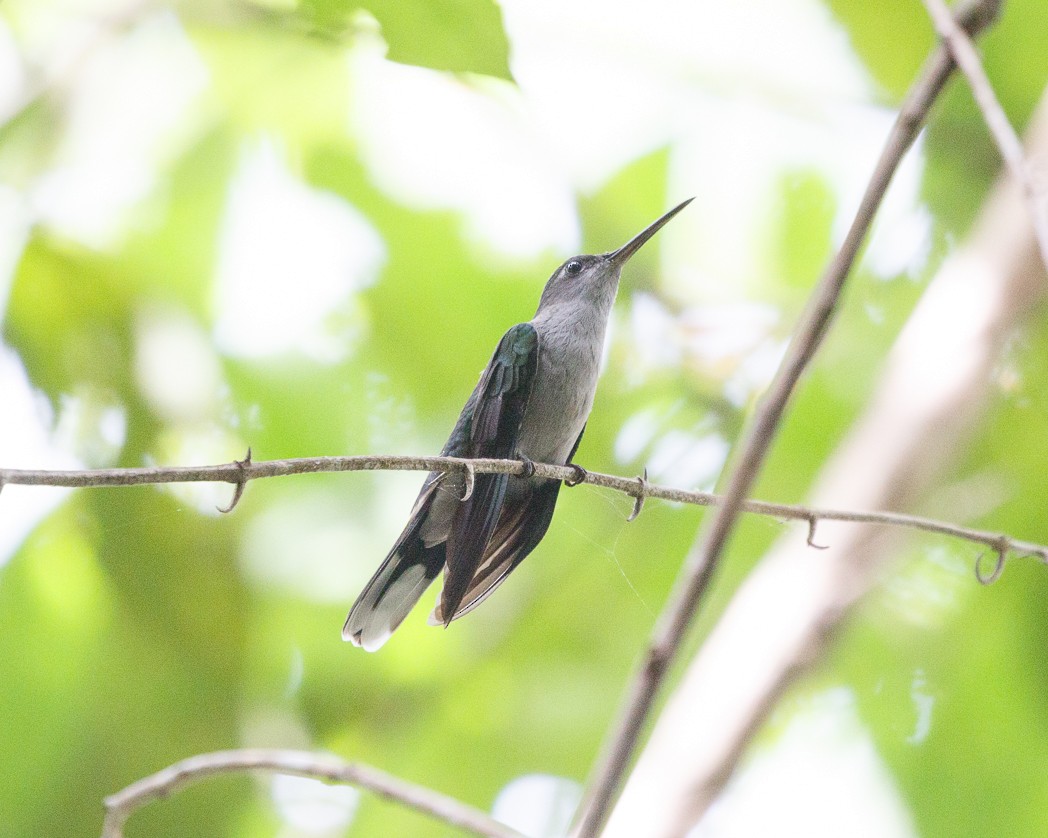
{"points": [[637, 242]]}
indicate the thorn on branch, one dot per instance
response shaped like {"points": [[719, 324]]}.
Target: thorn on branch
{"points": [[471, 480], [238, 491], [638, 502], [813, 522], [1000, 550]]}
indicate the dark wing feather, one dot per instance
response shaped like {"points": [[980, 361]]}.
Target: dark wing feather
{"points": [[520, 528], [523, 523], [501, 399]]}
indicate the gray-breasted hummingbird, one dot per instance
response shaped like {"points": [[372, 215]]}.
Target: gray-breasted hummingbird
{"points": [[531, 403]]}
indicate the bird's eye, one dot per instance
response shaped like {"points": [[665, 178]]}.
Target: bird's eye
{"points": [[573, 268]]}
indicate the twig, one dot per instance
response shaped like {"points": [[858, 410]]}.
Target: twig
{"points": [[1008, 143], [120, 806], [240, 472], [702, 562]]}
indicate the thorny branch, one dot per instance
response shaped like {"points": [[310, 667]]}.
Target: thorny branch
{"points": [[241, 472], [120, 806], [683, 605]]}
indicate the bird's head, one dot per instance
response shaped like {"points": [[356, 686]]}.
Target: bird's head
{"points": [[595, 279]]}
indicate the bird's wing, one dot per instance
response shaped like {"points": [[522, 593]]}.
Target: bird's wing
{"points": [[523, 523], [522, 526], [499, 404]]}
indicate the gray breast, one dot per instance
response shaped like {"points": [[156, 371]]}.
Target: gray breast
{"points": [[565, 383]]}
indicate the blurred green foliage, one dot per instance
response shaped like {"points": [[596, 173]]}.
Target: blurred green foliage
{"points": [[138, 627], [455, 35]]}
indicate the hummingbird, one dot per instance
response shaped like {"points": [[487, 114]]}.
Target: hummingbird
{"points": [[531, 404]]}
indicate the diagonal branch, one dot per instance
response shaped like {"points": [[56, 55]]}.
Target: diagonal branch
{"points": [[1008, 143], [120, 806], [240, 472], [936, 385], [698, 572]]}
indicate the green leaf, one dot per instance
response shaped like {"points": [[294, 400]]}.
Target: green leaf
{"points": [[463, 36]]}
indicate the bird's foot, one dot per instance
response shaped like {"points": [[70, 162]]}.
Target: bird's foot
{"points": [[579, 477], [529, 465]]}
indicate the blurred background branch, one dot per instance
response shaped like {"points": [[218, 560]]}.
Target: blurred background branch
{"points": [[120, 806], [964, 53], [51, 78], [782, 620], [690, 590]]}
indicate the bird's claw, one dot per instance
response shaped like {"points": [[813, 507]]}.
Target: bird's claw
{"points": [[529, 466], [579, 476]]}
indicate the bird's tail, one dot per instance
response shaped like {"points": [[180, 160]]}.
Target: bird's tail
{"points": [[393, 591]]}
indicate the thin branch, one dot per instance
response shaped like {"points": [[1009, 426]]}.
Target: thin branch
{"points": [[240, 472], [698, 572], [1008, 142], [780, 622], [120, 806]]}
